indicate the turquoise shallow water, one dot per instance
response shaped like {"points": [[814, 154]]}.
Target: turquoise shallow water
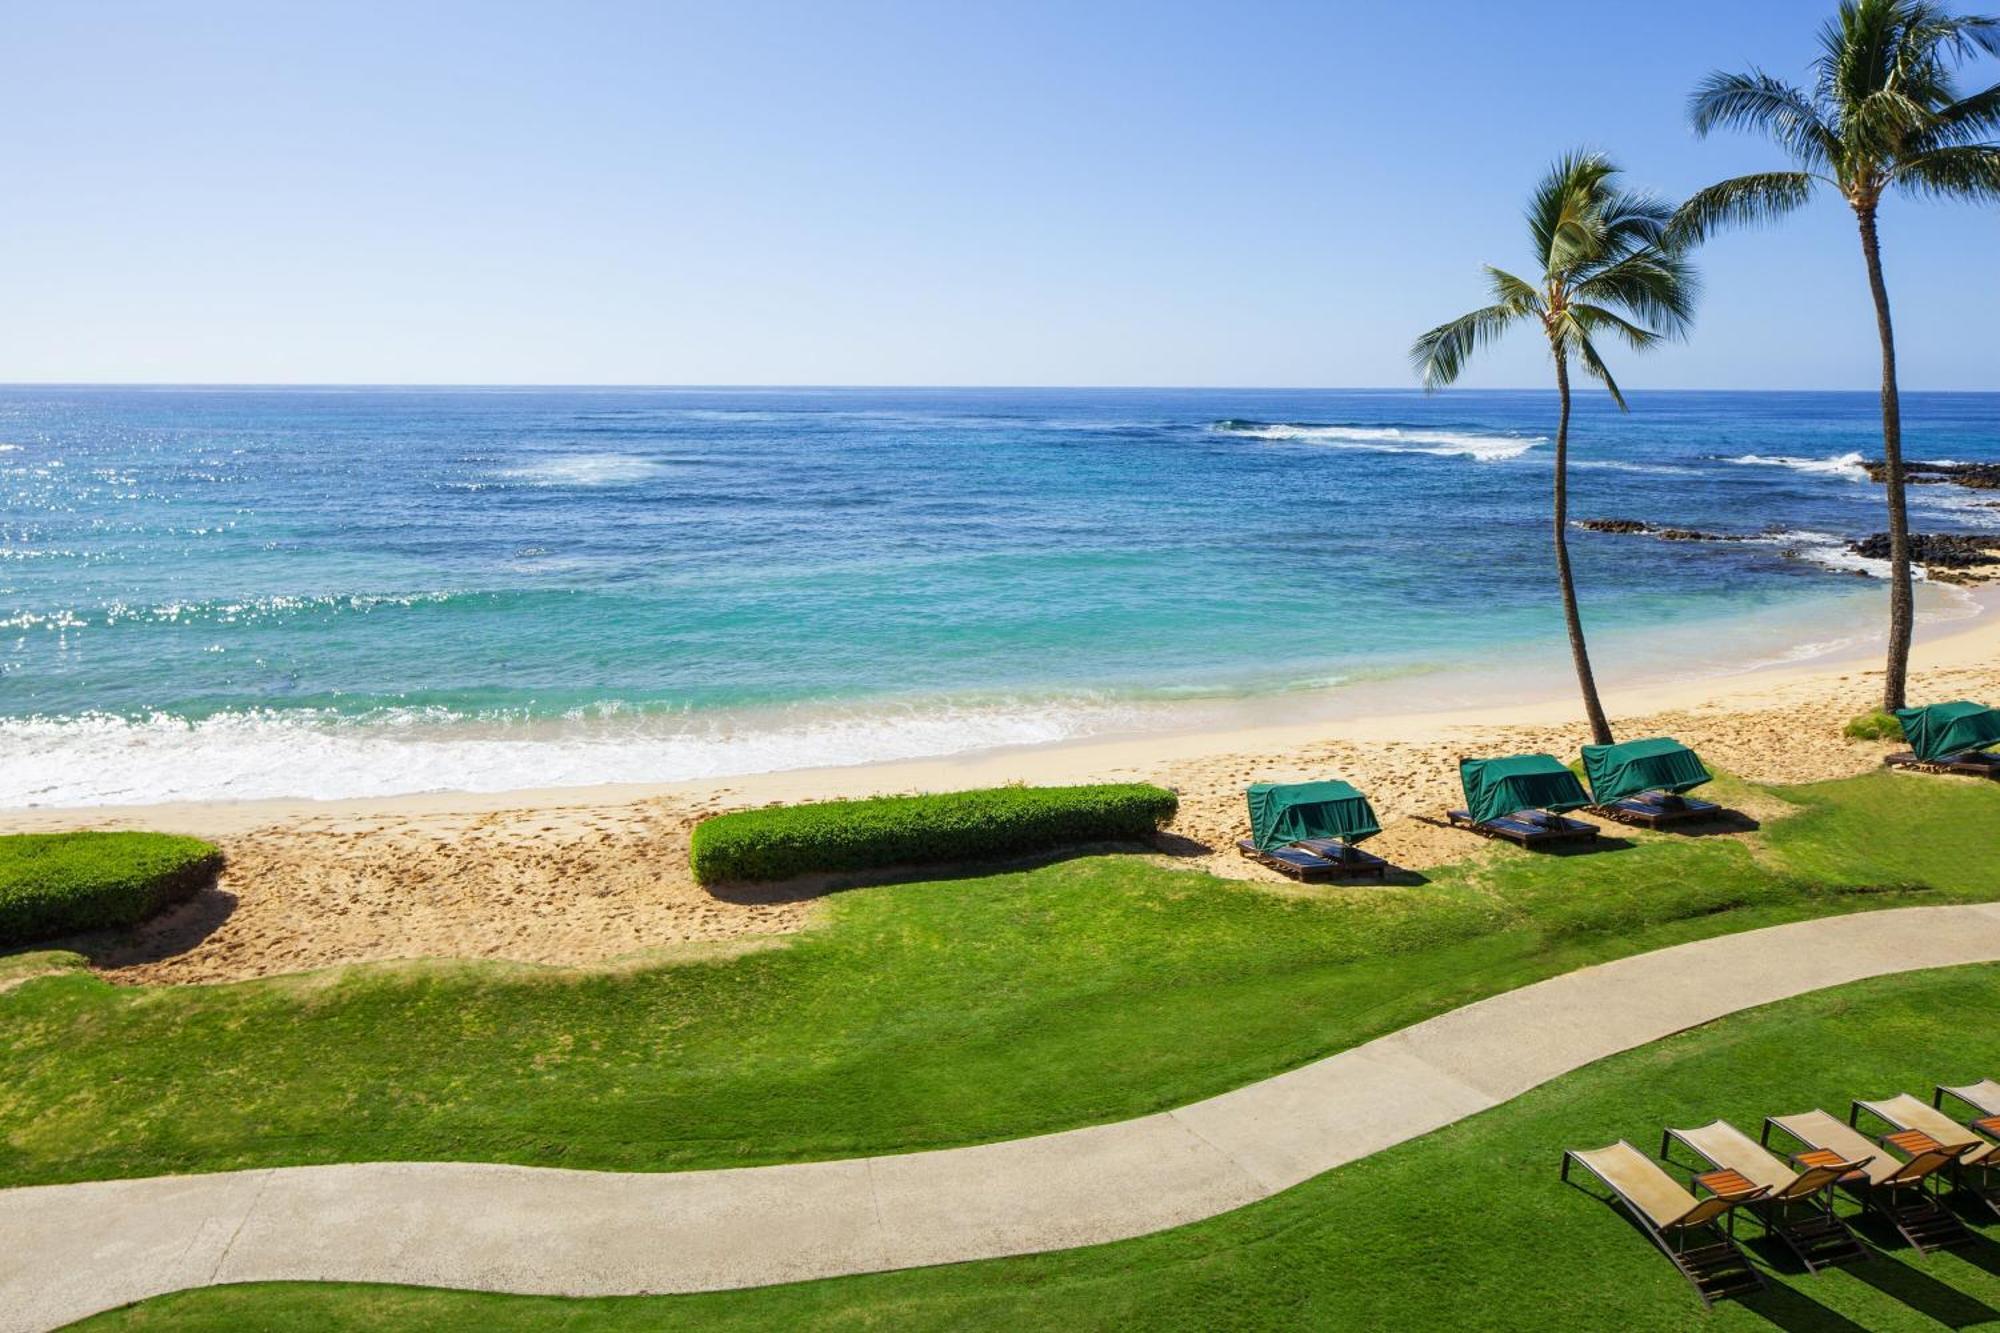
{"points": [[228, 592]]}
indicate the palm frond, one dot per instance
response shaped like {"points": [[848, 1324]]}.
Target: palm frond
{"points": [[1440, 356], [1966, 121], [1594, 364], [1657, 286], [1969, 172], [1559, 213], [1762, 104], [1597, 319], [1739, 201], [1512, 292]]}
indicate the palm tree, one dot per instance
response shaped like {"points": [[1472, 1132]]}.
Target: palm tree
{"points": [[1604, 268], [1882, 113]]}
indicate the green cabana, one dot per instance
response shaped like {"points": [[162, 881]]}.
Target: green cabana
{"points": [[1938, 731], [1282, 813], [1631, 767], [1496, 788]]}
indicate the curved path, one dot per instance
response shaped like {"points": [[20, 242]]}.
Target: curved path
{"points": [[70, 1250]]}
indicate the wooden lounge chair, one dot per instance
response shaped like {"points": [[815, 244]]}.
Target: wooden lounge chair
{"points": [[1645, 782], [1306, 861], [1956, 737], [1976, 1163], [1715, 1267], [1657, 809], [1521, 797], [1971, 764], [1308, 830], [1797, 1206], [1529, 828], [1901, 1192]]}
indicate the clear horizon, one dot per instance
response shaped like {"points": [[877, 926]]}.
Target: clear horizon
{"points": [[893, 194]]}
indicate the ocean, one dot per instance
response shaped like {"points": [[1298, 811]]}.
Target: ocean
{"points": [[240, 592]]}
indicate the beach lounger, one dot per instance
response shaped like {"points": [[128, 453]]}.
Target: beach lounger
{"points": [[1902, 1193], [1302, 862], [1797, 1206], [1976, 1164], [1969, 763], [1983, 1097], [1715, 1267], [1308, 830], [1658, 809], [1645, 782], [1954, 737], [1521, 798]]}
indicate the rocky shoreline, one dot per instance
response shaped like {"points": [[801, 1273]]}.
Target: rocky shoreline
{"points": [[1945, 557], [1976, 476]]}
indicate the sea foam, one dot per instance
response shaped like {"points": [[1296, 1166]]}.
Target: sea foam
{"points": [[1841, 465], [583, 470], [100, 759], [1485, 448]]}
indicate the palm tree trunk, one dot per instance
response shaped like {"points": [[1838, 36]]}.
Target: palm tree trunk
{"points": [[1600, 730], [1902, 612]]}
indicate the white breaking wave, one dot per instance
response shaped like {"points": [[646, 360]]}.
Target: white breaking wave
{"points": [[1842, 465], [1978, 508], [106, 760], [584, 470], [1831, 552], [1395, 440]]}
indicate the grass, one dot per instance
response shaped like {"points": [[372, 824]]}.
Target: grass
{"points": [[1466, 1228], [920, 1016], [54, 884]]}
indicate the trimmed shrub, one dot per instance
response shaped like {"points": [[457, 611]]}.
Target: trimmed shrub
{"points": [[60, 883], [786, 841], [1875, 726]]}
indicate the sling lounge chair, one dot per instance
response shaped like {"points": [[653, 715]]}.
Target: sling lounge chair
{"points": [[1901, 1192], [1950, 738], [1309, 830], [1797, 1206], [1522, 798], [1983, 1097], [1714, 1266], [1645, 782], [1976, 1168]]}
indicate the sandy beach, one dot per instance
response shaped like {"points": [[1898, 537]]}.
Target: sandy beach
{"points": [[581, 876]]}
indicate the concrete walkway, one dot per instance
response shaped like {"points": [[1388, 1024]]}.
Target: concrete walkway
{"points": [[70, 1250]]}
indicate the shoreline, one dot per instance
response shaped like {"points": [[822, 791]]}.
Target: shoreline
{"points": [[1336, 714], [596, 876]]}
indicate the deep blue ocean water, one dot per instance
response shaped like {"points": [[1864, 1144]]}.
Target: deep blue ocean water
{"points": [[211, 592]]}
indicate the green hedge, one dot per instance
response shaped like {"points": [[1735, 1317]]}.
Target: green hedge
{"points": [[60, 883], [784, 842]]}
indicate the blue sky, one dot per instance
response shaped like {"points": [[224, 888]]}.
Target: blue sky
{"points": [[921, 193]]}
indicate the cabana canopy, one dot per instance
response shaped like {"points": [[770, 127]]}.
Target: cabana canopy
{"points": [[1630, 767], [1288, 812], [1938, 731], [1495, 788]]}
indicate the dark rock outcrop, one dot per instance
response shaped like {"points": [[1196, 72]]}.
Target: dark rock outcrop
{"points": [[1637, 527], [1949, 557], [1978, 476]]}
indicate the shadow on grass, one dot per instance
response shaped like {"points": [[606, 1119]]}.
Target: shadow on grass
{"points": [[1723, 824], [1922, 1292], [1789, 1308]]}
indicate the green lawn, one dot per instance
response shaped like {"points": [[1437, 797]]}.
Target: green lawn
{"points": [[919, 1016], [1467, 1228]]}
